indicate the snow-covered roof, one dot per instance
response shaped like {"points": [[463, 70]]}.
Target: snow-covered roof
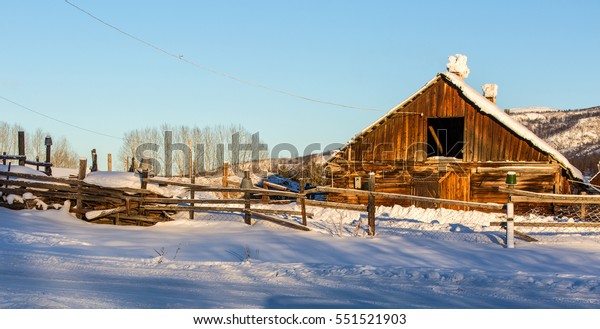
{"points": [[485, 106]]}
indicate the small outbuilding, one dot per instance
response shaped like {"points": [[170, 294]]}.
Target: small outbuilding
{"points": [[449, 141]]}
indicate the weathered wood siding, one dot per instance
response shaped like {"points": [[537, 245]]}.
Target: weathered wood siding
{"points": [[396, 150], [403, 136]]}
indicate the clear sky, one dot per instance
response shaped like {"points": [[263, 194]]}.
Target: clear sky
{"points": [[63, 63]]}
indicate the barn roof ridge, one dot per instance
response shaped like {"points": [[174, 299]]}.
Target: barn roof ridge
{"points": [[485, 106]]}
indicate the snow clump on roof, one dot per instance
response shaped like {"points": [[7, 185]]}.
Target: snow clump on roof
{"points": [[457, 64]]}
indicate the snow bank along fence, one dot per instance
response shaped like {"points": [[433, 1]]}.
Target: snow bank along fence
{"points": [[22, 158], [372, 197], [571, 214]]}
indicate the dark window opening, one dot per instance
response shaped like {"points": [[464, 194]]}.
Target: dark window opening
{"points": [[445, 137]]}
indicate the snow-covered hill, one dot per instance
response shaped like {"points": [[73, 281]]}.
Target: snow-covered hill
{"points": [[575, 133]]}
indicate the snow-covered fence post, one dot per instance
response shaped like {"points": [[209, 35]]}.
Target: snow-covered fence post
{"points": [[510, 225], [371, 204]]}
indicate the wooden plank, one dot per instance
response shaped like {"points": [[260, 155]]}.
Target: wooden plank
{"points": [[338, 205], [524, 236], [545, 169], [551, 224], [97, 214], [490, 206], [477, 137], [198, 201], [275, 186], [552, 198], [436, 139], [204, 188], [279, 221], [469, 133], [223, 209]]}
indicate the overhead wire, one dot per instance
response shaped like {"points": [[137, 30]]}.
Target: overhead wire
{"points": [[214, 71], [58, 120]]}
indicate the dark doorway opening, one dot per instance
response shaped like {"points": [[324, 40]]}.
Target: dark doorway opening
{"points": [[445, 137]]}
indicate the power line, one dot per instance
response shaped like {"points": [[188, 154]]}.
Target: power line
{"points": [[58, 120], [214, 71]]}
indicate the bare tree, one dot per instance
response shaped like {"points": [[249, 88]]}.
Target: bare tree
{"points": [[63, 155]]}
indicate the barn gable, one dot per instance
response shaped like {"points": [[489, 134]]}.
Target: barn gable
{"points": [[449, 141], [472, 126]]}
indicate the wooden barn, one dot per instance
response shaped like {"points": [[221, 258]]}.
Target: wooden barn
{"points": [[449, 141]]}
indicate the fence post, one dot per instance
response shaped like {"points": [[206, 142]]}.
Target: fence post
{"points": [[265, 197], [510, 225], [144, 178], [109, 157], [247, 184], [94, 160], [303, 201], [192, 191], [21, 144], [82, 168], [81, 177], [226, 179], [48, 143], [4, 159], [371, 204], [583, 209]]}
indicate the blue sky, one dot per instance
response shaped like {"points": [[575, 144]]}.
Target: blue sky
{"points": [[59, 61]]}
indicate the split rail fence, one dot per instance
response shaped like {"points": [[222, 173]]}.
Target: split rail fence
{"points": [[130, 206], [571, 214]]}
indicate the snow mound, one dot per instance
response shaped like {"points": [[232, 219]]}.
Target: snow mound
{"points": [[21, 170], [114, 179], [121, 179]]}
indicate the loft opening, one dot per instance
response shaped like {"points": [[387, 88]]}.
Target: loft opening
{"points": [[445, 137]]}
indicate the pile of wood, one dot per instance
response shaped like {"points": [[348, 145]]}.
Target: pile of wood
{"points": [[89, 202], [142, 207]]}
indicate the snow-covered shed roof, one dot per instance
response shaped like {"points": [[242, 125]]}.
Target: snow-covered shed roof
{"points": [[485, 106]]}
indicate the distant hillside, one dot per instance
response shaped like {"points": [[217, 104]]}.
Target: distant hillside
{"points": [[575, 133]]}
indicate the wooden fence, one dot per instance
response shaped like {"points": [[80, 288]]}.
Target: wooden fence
{"points": [[580, 203], [139, 206], [22, 158]]}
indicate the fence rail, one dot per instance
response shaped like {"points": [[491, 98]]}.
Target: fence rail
{"points": [[570, 214], [142, 206]]}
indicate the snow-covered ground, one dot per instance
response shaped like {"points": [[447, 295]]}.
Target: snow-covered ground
{"points": [[52, 260], [420, 258]]}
